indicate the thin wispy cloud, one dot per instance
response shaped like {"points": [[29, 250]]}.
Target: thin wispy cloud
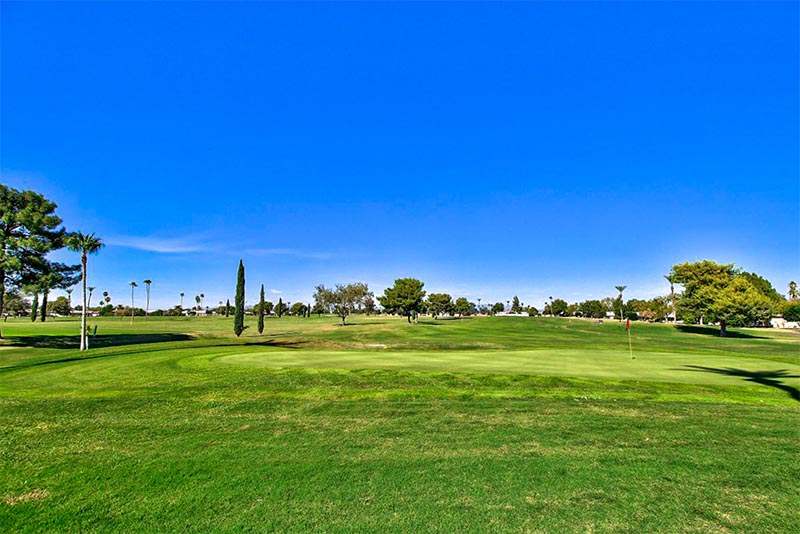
{"points": [[275, 291], [156, 244]]}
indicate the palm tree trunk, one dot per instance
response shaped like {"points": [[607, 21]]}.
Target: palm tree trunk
{"points": [[84, 338]]}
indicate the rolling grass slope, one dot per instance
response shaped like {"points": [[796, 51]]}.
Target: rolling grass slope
{"points": [[483, 425]]}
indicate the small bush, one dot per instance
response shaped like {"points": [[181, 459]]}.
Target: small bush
{"points": [[791, 311]]}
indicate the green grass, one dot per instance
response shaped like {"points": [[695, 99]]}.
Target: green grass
{"points": [[482, 425]]}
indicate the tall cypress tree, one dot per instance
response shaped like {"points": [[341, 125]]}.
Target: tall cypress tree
{"points": [[238, 318], [228, 308], [35, 307], [43, 312], [261, 312], [280, 307]]}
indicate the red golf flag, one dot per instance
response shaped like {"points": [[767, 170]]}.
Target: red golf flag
{"points": [[628, 324]]}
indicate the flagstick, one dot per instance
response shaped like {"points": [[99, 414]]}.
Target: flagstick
{"points": [[630, 345]]}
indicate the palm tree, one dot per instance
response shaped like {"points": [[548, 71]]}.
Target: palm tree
{"points": [[133, 285], [91, 290], [202, 296], [793, 290], [182, 295], [671, 279], [85, 244], [197, 302], [147, 298], [620, 289], [69, 299]]}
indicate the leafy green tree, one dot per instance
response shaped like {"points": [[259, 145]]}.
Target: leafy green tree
{"points": [[175, 311], [498, 307], [764, 287], [369, 306], [261, 311], [405, 297], [740, 303], [791, 310], [85, 244], [29, 229], [593, 308], [319, 309], [701, 282], [14, 304], [60, 306], [558, 307], [298, 309], [532, 311], [238, 317], [793, 293], [343, 299], [516, 307], [440, 304], [463, 306], [719, 293]]}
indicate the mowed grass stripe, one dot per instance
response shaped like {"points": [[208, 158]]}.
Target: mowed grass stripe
{"points": [[598, 364]]}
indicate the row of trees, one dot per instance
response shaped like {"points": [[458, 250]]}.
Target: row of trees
{"points": [[30, 230]]}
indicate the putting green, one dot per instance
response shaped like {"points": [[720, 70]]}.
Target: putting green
{"points": [[599, 364]]}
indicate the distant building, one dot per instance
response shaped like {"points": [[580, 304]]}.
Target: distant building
{"points": [[780, 322]]}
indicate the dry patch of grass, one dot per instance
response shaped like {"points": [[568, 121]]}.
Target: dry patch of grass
{"points": [[31, 496]]}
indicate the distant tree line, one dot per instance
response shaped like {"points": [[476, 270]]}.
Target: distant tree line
{"points": [[30, 229]]}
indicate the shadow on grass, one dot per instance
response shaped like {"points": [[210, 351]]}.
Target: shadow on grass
{"points": [[366, 323], [714, 331], [765, 378], [122, 340], [114, 340]]}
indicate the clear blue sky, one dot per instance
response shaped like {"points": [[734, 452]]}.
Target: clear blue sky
{"points": [[490, 149]]}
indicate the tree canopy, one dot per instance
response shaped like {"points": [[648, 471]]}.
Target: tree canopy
{"points": [[440, 304], [29, 229], [720, 293], [463, 306], [405, 297], [344, 299]]}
